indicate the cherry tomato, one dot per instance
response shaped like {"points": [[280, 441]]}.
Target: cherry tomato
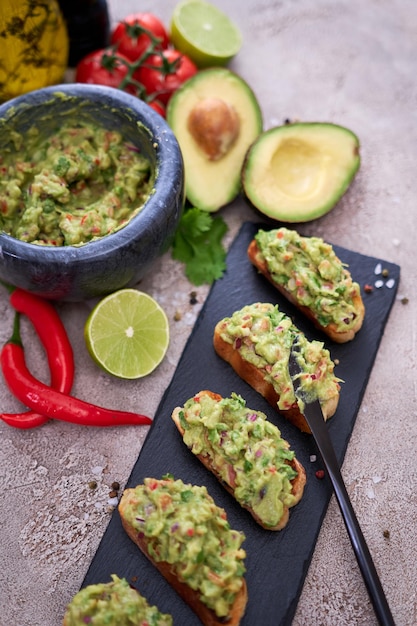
{"points": [[130, 39], [154, 76], [103, 67], [158, 107]]}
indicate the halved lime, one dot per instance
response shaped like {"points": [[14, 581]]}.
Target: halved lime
{"points": [[127, 333], [204, 33]]}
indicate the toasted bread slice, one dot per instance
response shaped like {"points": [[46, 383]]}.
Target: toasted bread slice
{"points": [[259, 471], [307, 270], [190, 521], [116, 601], [256, 341]]}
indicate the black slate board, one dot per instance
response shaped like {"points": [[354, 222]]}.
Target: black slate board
{"points": [[276, 563]]}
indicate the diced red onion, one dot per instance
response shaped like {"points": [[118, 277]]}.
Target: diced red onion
{"points": [[132, 148]]}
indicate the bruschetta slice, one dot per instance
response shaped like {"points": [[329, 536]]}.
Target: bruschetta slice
{"points": [[187, 537], [113, 603], [245, 452], [256, 341], [307, 271]]}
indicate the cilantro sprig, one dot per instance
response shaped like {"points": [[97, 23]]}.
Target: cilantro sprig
{"points": [[198, 243]]}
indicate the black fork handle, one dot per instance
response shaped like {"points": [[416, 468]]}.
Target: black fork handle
{"points": [[364, 558]]}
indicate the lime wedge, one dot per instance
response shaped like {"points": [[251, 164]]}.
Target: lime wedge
{"points": [[204, 33], [127, 334]]}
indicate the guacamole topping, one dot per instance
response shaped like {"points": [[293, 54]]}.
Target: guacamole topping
{"points": [[246, 450], [309, 269], [264, 335], [184, 527], [113, 604], [79, 184]]}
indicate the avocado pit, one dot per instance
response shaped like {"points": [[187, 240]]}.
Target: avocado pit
{"points": [[215, 126]]}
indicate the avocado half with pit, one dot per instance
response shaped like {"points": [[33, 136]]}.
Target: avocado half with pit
{"points": [[215, 117], [298, 172]]}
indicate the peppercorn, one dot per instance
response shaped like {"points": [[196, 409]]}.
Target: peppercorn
{"points": [[368, 289], [320, 474], [92, 484], [193, 297], [115, 485]]}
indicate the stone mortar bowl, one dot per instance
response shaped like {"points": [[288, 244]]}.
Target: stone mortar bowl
{"points": [[122, 258]]}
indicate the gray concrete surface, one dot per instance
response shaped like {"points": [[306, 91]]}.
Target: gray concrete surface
{"points": [[345, 61]]}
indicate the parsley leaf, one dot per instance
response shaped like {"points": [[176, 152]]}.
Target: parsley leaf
{"points": [[198, 244]]}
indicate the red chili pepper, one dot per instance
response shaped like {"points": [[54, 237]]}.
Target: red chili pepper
{"points": [[50, 402], [54, 339]]}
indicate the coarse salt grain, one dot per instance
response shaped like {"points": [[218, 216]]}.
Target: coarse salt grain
{"points": [[378, 269], [390, 283], [379, 284], [313, 458], [274, 122]]}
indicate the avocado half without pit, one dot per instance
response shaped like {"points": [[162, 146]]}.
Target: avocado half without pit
{"points": [[298, 172], [215, 117]]}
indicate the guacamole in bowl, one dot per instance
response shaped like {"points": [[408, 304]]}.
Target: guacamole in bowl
{"points": [[81, 183], [91, 191]]}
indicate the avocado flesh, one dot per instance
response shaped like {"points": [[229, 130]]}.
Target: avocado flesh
{"points": [[298, 172], [212, 182]]}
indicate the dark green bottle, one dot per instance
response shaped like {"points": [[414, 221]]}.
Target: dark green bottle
{"points": [[88, 26]]}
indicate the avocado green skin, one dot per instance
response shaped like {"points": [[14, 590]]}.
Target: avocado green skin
{"points": [[283, 213], [121, 259]]}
